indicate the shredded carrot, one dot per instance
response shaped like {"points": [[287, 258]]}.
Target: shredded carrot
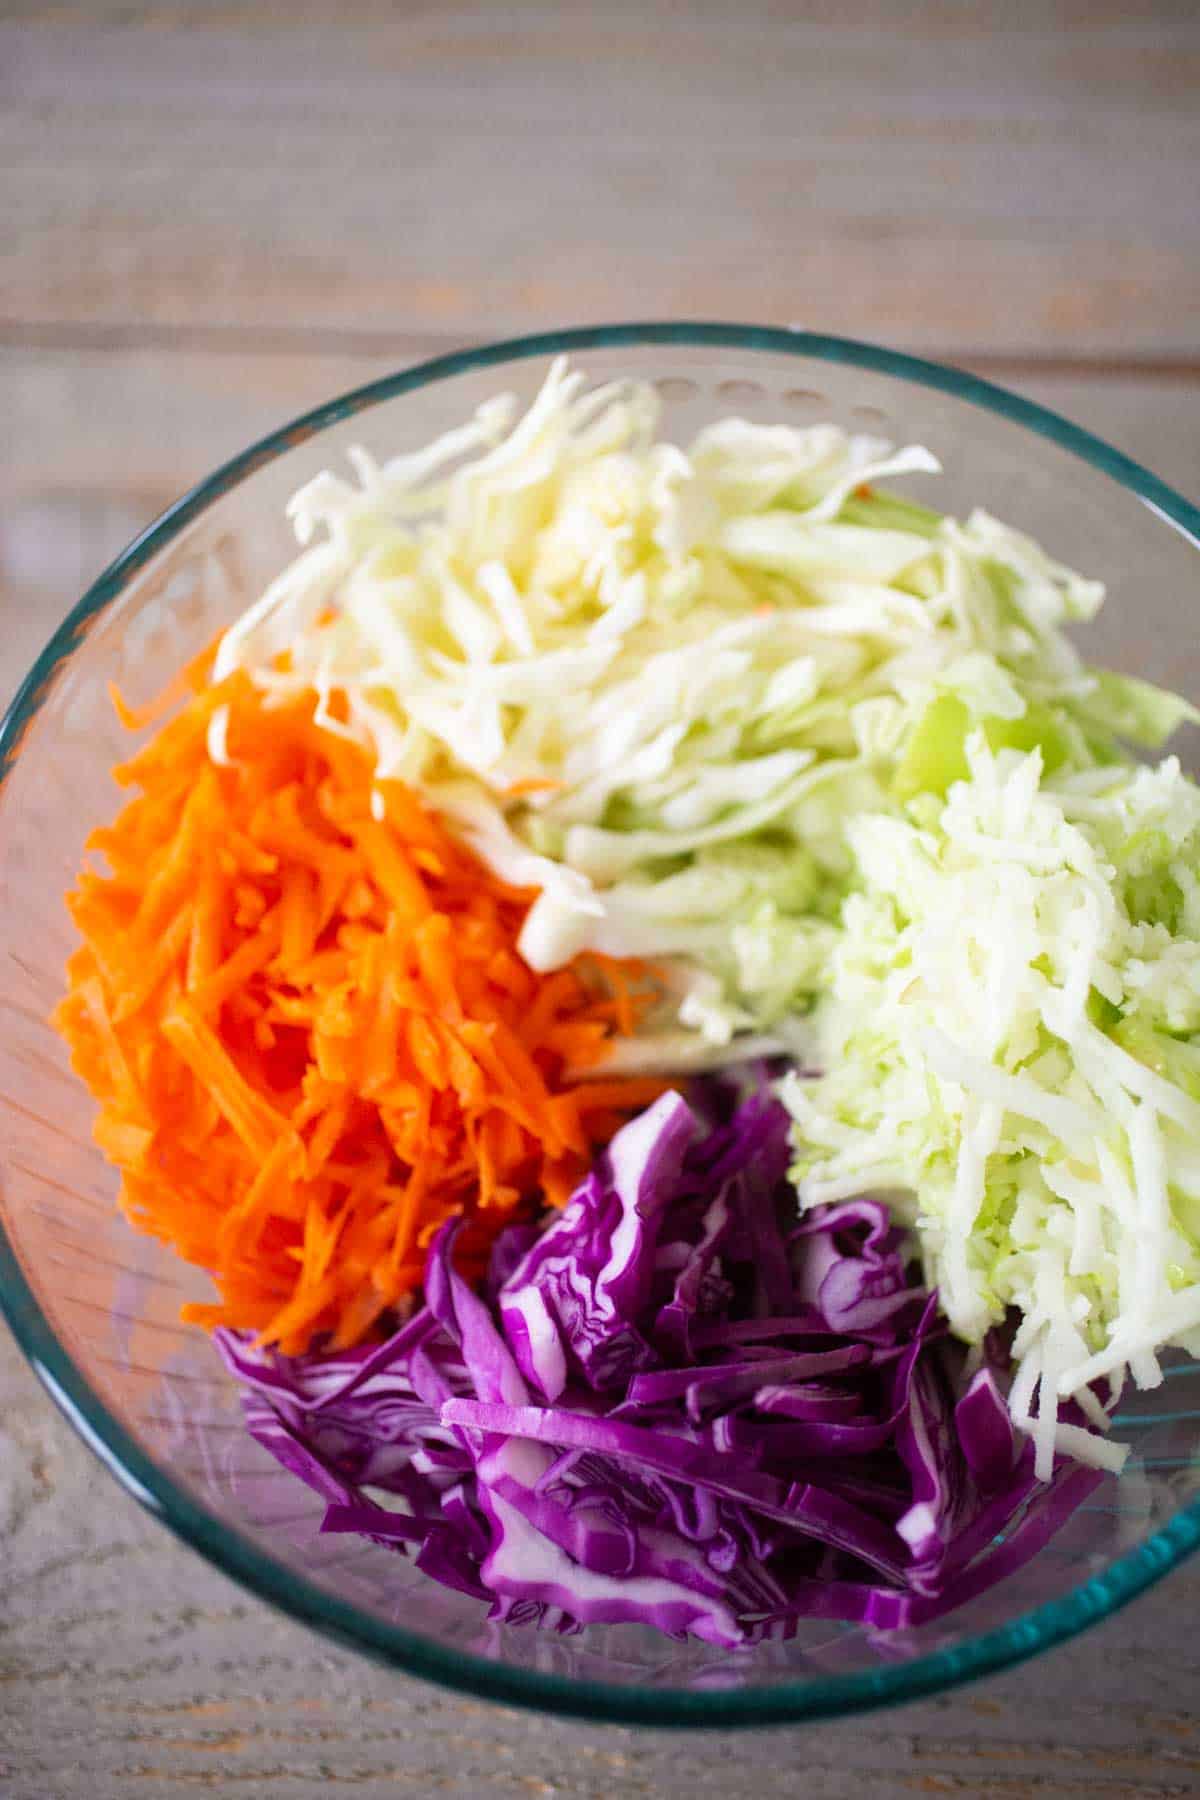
{"points": [[531, 784], [309, 1028], [189, 680]]}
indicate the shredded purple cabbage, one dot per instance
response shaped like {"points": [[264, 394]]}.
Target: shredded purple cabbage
{"points": [[674, 1405]]}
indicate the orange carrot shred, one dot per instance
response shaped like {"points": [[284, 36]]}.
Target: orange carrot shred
{"points": [[190, 678], [309, 1029], [531, 784]]}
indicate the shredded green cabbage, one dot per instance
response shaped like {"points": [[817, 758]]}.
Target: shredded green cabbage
{"points": [[1009, 1044], [654, 683]]}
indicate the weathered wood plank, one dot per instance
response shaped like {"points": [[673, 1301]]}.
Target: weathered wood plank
{"points": [[146, 422], [952, 176]]}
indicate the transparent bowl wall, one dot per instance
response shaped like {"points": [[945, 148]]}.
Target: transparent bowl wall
{"points": [[96, 1306]]}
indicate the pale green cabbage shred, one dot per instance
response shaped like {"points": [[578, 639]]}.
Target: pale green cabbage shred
{"points": [[831, 761]]}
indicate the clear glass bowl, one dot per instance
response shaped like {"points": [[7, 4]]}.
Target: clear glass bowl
{"points": [[95, 1307]]}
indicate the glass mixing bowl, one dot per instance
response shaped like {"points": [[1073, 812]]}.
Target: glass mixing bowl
{"points": [[95, 1307]]}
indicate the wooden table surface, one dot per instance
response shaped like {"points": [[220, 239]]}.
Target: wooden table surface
{"points": [[213, 216]]}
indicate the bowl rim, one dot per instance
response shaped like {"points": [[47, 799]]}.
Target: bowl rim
{"points": [[234, 1553]]}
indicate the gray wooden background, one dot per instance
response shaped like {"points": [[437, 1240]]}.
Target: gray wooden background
{"points": [[212, 216]]}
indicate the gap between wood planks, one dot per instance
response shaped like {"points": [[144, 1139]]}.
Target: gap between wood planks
{"points": [[287, 340]]}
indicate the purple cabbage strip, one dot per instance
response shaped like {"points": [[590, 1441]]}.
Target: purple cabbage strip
{"points": [[673, 1404]]}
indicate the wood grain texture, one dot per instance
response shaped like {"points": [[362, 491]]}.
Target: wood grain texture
{"points": [[934, 174], [211, 218]]}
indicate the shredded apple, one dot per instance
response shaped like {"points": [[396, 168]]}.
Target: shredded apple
{"points": [[309, 1029]]}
